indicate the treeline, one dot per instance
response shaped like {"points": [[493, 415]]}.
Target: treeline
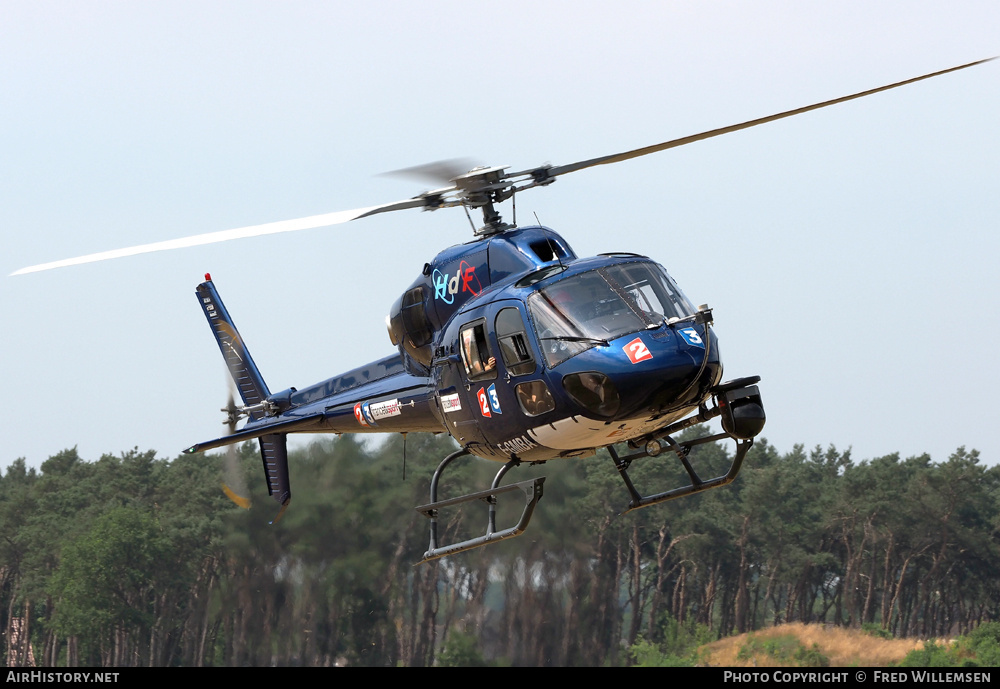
{"points": [[139, 561]]}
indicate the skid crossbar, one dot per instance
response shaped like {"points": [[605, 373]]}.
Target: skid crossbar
{"points": [[531, 488]]}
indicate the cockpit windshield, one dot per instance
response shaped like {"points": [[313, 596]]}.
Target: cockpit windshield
{"points": [[590, 309]]}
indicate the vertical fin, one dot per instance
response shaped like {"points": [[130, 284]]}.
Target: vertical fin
{"points": [[253, 391], [274, 454], [245, 374]]}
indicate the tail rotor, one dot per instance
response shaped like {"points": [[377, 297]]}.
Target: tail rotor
{"points": [[234, 484]]}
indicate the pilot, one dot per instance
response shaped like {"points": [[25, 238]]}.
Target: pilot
{"points": [[561, 298], [533, 403], [535, 398]]}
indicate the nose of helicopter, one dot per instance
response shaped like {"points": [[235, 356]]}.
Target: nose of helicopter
{"points": [[651, 372]]}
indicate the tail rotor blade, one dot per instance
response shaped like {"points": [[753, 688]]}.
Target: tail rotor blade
{"points": [[237, 499], [233, 483]]}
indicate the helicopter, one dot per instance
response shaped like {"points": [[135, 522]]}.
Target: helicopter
{"points": [[518, 348]]}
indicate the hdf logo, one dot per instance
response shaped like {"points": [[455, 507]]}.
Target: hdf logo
{"points": [[464, 280]]}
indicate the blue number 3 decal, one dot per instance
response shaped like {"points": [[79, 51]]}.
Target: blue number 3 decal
{"points": [[692, 337], [494, 400]]}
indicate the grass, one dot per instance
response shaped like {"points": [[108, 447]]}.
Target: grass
{"points": [[843, 647]]}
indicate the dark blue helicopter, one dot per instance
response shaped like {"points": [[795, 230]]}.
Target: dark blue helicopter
{"points": [[523, 353], [516, 347]]}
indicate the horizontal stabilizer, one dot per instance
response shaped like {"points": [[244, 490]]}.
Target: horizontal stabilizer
{"points": [[256, 432]]}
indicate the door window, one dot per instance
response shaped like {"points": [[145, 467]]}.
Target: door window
{"points": [[476, 354], [513, 341]]}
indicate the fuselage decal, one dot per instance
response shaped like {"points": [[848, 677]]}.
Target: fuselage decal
{"points": [[464, 280]]}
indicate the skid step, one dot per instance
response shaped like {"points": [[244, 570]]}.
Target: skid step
{"points": [[532, 490]]}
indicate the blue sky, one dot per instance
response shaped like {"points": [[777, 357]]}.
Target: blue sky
{"points": [[849, 254]]}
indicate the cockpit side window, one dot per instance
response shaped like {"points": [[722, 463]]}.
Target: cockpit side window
{"points": [[513, 341], [476, 354]]}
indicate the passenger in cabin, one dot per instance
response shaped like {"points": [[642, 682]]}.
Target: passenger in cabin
{"points": [[475, 352]]}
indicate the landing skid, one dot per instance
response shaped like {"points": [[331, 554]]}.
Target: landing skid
{"points": [[697, 484], [531, 488], [738, 403]]}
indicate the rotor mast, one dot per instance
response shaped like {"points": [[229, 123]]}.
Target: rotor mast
{"points": [[483, 187]]}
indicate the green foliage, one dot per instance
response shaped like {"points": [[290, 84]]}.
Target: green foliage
{"points": [[647, 654], [461, 650], [981, 645], [872, 629], [781, 648], [786, 649], [678, 644], [137, 560], [978, 648], [811, 657], [104, 578], [930, 655], [683, 639]]}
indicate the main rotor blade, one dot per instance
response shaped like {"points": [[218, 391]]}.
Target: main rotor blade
{"points": [[435, 199], [439, 172], [646, 150], [226, 235]]}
